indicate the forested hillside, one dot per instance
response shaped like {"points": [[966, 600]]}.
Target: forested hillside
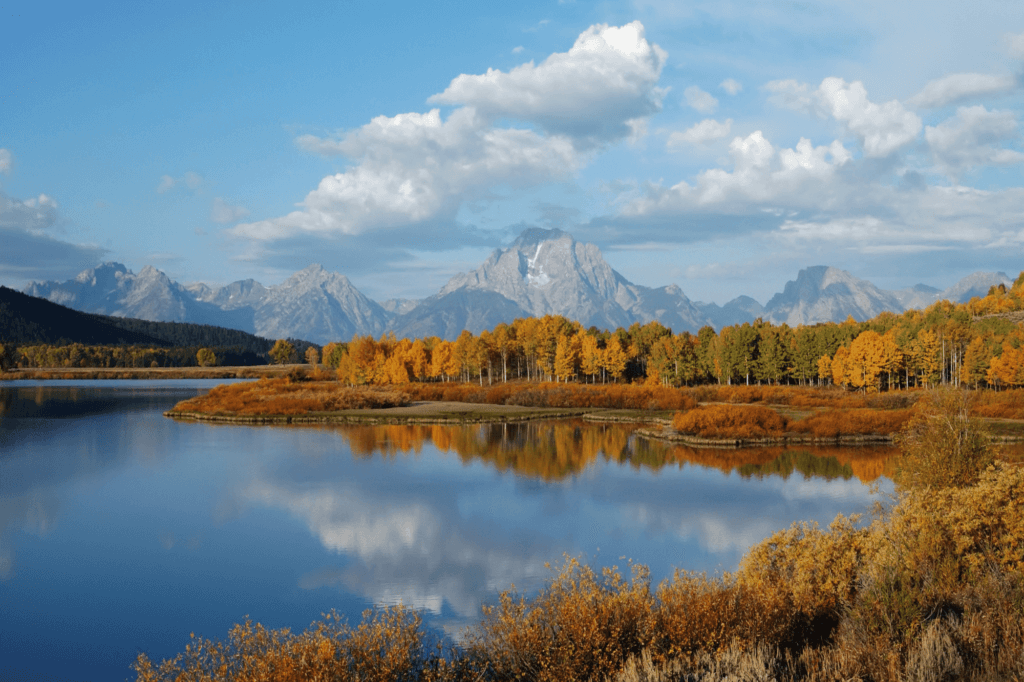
{"points": [[29, 320], [47, 335]]}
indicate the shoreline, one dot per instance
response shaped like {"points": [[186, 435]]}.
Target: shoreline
{"points": [[145, 373]]}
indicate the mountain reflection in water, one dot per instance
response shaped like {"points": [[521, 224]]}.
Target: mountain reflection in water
{"points": [[122, 530], [556, 450]]}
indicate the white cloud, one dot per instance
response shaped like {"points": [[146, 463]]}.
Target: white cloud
{"points": [[191, 180], [223, 212], [5, 161], [971, 139], [707, 130], [790, 94], [700, 100], [415, 167], [800, 176], [957, 86], [883, 128], [32, 215], [412, 168], [517, 49], [731, 86], [167, 183], [607, 78], [1015, 45]]}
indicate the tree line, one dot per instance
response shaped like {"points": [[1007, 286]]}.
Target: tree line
{"points": [[979, 343]]}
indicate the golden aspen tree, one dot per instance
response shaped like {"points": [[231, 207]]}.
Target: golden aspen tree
{"points": [[566, 356], [504, 344], [614, 358], [865, 360], [926, 355], [840, 367], [418, 361], [892, 357], [485, 352], [590, 360], [825, 368], [440, 359]]}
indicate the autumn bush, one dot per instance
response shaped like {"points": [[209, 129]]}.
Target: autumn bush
{"points": [[288, 396], [856, 422], [388, 645], [551, 394], [943, 445], [796, 396], [998, 404], [730, 421]]}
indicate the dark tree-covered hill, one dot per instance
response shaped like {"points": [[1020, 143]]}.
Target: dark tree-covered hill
{"points": [[27, 320]]}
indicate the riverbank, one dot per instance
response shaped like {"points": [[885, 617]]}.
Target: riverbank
{"points": [[146, 373], [417, 412]]}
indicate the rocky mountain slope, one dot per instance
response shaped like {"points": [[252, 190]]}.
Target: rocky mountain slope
{"points": [[543, 272], [547, 272]]}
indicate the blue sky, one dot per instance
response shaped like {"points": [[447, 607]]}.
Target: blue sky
{"points": [[721, 146]]}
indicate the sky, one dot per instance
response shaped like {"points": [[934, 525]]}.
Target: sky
{"points": [[719, 145]]}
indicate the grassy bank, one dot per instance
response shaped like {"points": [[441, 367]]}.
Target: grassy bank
{"points": [[732, 416], [147, 373]]}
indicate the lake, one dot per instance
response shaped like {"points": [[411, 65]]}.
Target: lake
{"points": [[122, 531]]}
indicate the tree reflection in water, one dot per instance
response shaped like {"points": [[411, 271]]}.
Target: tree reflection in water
{"points": [[554, 450]]}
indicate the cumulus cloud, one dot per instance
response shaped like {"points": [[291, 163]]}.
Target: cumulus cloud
{"points": [[731, 86], [5, 161], [700, 100], [883, 128], [707, 130], [608, 78], [29, 251], [760, 174], [32, 215], [223, 212], [414, 167], [958, 86], [191, 180], [972, 139]]}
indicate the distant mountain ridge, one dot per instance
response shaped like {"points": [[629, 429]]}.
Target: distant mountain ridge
{"points": [[542, 272]]}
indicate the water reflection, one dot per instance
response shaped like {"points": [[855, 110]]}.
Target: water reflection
{"points": [[553, 451], [145, 529]]}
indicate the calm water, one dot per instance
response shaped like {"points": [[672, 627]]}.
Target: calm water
{"points": [[122, 531]]}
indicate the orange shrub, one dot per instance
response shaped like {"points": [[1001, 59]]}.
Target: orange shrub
{"points": [[999, 404], [285, 397], [548, 394], [730, 421], [860, 422]]}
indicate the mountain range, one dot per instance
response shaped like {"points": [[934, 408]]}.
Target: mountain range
{"points": [[543, 272]]}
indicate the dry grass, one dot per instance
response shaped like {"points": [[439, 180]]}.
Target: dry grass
{"points": [[730, 421], [548, 394], [855, 422], [757, 421], [288, 397]]}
